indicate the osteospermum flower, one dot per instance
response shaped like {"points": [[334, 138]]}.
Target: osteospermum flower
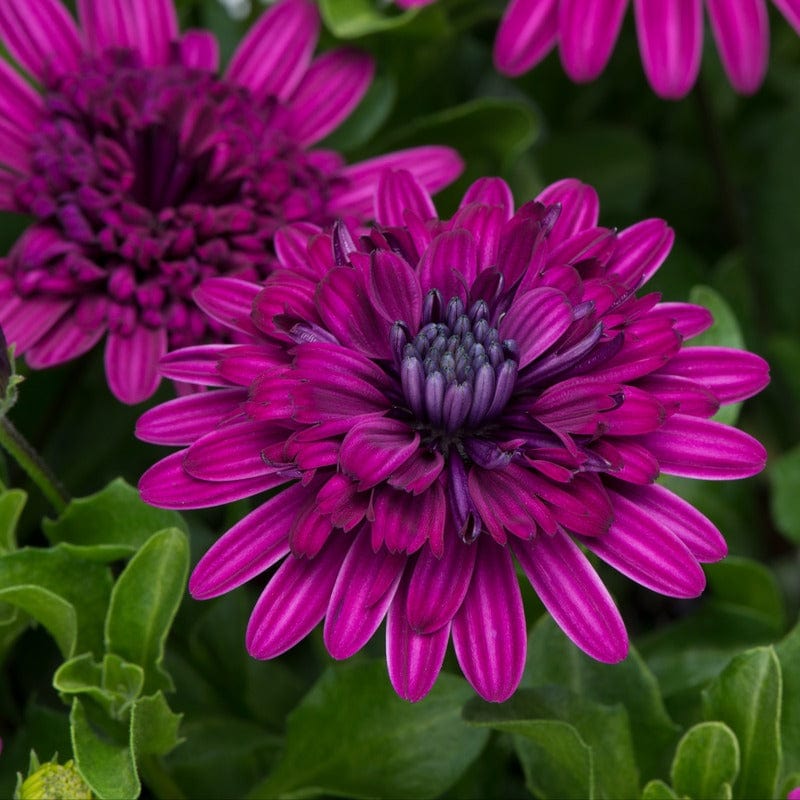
{"points": [[443, 398], [146, 172]]}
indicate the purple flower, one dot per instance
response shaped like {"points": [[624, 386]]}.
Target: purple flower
{"points": [[147, 173], [445, 397], [794, 794]]}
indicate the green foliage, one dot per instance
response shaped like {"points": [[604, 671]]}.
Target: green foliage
{"points": [[350, 19], [706, 762], [784, 475]]}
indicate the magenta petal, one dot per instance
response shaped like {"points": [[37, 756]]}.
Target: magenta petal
{"points": [[254, 544], [701, 448], [200, 50], [490, 192], [228, 300], [641, 250], [182, 421], [198, 364], [587, 34], [574, 595], [698, 533], [20, 105], [527, 33], [132, 363], [688, 319], [641, 547], [361, 596], [670, 36], [741, 30], [167, 485], [26, 321], [450, 254], [394, 289], [536, 321], [731, 374], [404, 523], [295, 600], [414, 659], [41, 36], [148, 26], [791, 10], [399, 191], [275, 54], [580, 207], [376, 447], [489, 632], [439, 584], [64, 341], [331, 88], [433, 167]]}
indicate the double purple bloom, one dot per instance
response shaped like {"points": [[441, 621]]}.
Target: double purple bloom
{"points": [[437, 400], [147, 173]]}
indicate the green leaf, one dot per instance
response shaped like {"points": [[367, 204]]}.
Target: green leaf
{"points": [[107, 767], [706, 762], [350, 19], [12, 502], [154, 726], [608, 767], [658, 790], [554, 659], [144, 602], [747, 697], [788, 652], [784, 478], [68, 595], [725, 332], [114, 523], [352, 735]]}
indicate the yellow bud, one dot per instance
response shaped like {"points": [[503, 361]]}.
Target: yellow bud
{"points": [[55, 782]]}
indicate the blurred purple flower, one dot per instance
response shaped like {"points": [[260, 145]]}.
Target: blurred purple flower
{"points": [[446, 396], [794, 794], [146, 173], [670, 36]]}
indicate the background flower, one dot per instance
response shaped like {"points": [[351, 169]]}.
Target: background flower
{"points": [[447, 394], [146, 173]]}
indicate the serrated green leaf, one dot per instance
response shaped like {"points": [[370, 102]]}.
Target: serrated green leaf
{"points": [[351, 19], [154, 726], [108, 768], [12, 502], [706, 762], [784, 478], [352, 735], [604, 729], [554, 659], [788, 652], [747, 697], [658, 790], [725, 332], [144, 602], [115, 516], [557, 762], [35, 576]]}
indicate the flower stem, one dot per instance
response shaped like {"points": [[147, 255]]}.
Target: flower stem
{"points": [[18, 447]]}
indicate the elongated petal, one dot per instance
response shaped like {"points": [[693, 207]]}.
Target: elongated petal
{"points": [[199, 50], [670, 36], [399, 191], [404, 523], [41, 36], [450, 255], [536, 321], [275, 54], [332, 87], [414, 659], [490, 192], [230, 301], [587, 34], [254, 544], [701, 448], [640, 547], [741, 31], [791, 10], [527, 33], [375, 448], [168, 485], [295, 600], [198, 364], [26, 321], [148, 26], [434, 167], [132, 363], [688, 319], [65, 340], [489, 633], [182, 421], [394, 289], [641, 250], [19, 103], [580, 207], [361, 596], [574, 595]]}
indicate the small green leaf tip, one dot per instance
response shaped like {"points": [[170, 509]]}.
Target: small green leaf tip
{"points": [[53, 781], [8, 377]]}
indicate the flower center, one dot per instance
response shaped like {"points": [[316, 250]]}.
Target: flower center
{"points": [[160, 177], [456, 373]]}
